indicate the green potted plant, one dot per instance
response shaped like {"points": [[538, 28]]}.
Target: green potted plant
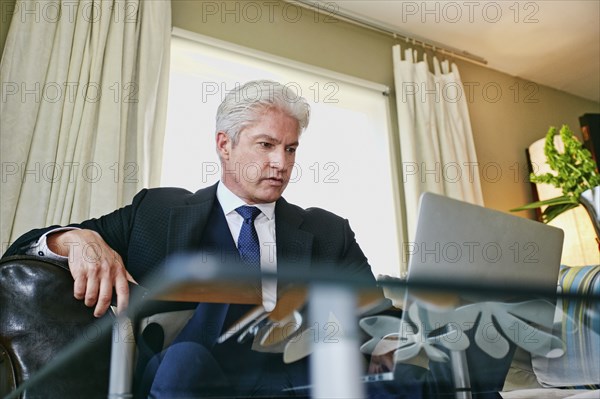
{"points": [[576, 176]]}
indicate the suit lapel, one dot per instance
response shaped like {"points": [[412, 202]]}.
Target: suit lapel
{"points": [[187, 223], [294, 246], [186, 229]]}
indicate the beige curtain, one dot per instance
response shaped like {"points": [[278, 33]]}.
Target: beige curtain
{"points": [[84, 107], [436, 140]]}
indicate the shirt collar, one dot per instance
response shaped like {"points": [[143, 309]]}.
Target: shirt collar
{"points": [[229, 202]]}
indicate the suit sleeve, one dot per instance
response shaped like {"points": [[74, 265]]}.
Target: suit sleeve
{"points": [[114, 228], [353, 259], [23, 243]]}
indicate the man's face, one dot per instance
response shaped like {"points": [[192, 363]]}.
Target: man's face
{"points": [[258, 167]]}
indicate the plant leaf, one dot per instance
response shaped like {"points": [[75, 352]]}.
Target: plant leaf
{"points": [[552, 201]]}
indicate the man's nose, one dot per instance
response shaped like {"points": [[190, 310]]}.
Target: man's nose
{"points": [[277, 159]]}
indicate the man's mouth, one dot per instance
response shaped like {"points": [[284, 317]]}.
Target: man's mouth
{"points": [[275, 181]]}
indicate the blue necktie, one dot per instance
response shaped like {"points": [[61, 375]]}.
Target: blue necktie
{"points": [[248, 244], [204, 326]]}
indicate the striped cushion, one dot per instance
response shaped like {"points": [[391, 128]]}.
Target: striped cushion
{"points": [[579, 328]]}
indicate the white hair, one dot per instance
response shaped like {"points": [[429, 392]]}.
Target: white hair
{"points": [[244, 105]]}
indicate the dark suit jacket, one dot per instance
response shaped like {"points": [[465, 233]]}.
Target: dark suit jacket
{"points": [[163, 221]]}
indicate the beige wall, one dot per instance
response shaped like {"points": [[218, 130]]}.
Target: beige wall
{"points": [[503, 124]]}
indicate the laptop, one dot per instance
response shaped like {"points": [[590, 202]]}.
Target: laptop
{"points": [[465, 245], [461, 243]]}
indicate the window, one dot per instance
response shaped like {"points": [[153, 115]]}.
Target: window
{"points": [[343, 161]]}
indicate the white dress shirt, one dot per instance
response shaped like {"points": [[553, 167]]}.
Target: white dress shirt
{"points": [[265, 229], [40, 247]]}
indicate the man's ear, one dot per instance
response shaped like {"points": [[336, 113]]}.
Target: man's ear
{"points": [[223, 145]]}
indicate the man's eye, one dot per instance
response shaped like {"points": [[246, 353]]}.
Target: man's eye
{"points": [[264, 144], [291, 149]]}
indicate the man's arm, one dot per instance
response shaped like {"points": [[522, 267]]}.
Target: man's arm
{"points": [[353, 259], [94, 251]]}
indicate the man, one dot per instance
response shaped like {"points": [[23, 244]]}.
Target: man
{"points": [[257, 133]]}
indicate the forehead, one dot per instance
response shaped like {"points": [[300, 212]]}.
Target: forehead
{"points": [[274, 123]]}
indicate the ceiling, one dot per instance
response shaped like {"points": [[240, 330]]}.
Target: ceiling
{"points": [[551, 42]]}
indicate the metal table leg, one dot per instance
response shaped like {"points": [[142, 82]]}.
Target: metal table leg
{"points": [[335, 360], [121, 359]]}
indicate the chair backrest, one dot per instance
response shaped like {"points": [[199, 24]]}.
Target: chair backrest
{"points": [[39, 318]]}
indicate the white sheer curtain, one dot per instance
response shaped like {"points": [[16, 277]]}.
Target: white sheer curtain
{"points": [[83, 108], [436, 140]]}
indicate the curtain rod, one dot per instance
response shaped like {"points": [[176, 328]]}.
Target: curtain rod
{"points": [[353, 18]]}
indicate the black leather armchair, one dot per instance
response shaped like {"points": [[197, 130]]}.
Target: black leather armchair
{"points": [[40, 318]]}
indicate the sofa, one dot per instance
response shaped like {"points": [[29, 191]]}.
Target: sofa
{"points": [[576, 374], [39, 319]]}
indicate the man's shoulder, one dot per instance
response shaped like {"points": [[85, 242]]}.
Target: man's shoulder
{"points": [[168, 191], [325, 226], [173, 196], [312, 213], [320, 213]]}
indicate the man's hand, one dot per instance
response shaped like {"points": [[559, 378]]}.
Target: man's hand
{"points": [[382, 363], [95, 267]]}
